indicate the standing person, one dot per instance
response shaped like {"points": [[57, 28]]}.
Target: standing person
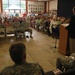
{"points": [[17, 53], [47, 25], [71, 29]]}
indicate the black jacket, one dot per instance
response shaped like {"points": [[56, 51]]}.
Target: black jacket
{"points": [[70, 72], [71, 27]]}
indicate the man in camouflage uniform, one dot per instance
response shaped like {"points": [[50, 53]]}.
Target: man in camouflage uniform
{"points": [[26, 27], [20, 27], [66, 63], [21, 67]]}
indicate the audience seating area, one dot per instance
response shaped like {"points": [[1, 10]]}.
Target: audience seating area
{"points": [[17, 26], [48, 25], [14, 29]]}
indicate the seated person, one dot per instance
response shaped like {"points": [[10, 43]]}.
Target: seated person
{"points": [[25, 26], [6, 22], [66, 63], [21, 67]]}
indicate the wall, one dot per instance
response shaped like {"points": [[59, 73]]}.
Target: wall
{"points": [[40, 4], [53, 5], [34, 6], [65, 7], [46, 6], [0, 5]]}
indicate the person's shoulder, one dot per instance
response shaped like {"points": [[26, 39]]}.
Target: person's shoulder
{"points": [[26, 68], [36, 68], [36, 65], [6, 70]]}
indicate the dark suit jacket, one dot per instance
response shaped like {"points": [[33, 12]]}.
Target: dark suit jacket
{"points": [[71, 27]]}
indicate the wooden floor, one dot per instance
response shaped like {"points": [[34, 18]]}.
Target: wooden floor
{"points": [[40, 49]]}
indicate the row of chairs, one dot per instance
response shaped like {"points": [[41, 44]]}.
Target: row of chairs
{"points": [[16, 29], [6, 32]]}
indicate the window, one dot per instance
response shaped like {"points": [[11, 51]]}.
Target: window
{"points": [[14, 6]]}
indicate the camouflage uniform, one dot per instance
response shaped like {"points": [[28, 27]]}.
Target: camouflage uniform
{"points": [[26, 27], [19, 29], [23, 69], [65, 63]]}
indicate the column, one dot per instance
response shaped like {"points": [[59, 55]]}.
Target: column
{"points": [[1, 6]]}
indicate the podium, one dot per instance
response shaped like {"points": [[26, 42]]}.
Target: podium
{"points": [[64, 40]]}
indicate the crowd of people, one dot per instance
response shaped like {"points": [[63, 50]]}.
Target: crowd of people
{"points": [[46, 24], [18, 24]]}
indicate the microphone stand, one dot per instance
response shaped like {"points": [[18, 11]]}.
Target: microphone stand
{"points": [[55, 43]]}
